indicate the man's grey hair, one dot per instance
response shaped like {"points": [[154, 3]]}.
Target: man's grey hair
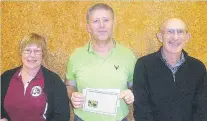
{"points": [[98, 7]]}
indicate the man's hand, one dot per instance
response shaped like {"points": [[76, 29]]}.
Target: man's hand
{"points": [[4, 119], [77, 99], [127, 96]]}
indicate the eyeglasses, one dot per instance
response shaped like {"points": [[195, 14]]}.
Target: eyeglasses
{"points": [[174, 31], [36, 52]]}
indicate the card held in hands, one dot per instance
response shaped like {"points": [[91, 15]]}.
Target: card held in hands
{"points": [[103, 101]]}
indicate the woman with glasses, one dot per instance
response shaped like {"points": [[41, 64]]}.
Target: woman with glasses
{"points": [[31, 92]]}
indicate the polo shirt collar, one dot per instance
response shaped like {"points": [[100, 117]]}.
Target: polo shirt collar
{"points": [[37, 76], [90, 47], [178, 63]]}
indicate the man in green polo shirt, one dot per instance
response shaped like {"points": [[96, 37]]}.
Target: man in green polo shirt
{"points": [[101, 64]]}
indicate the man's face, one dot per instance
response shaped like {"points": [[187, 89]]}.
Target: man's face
{"points": [[173, 36], [100, 25]]}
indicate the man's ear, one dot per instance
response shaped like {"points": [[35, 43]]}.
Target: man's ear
{"points": [[88, 28], [114, 23], [188, 37], [159, 36]]}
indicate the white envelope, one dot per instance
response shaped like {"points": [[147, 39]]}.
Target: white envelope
{"points": [[103, 101]]}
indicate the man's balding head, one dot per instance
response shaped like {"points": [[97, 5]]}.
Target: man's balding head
{"points": [[173, 23]]}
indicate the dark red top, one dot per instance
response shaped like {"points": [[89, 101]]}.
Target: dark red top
{"points": [[30, 106]]}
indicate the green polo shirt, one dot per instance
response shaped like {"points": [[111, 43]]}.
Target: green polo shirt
{"points": [[89, 70]]}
